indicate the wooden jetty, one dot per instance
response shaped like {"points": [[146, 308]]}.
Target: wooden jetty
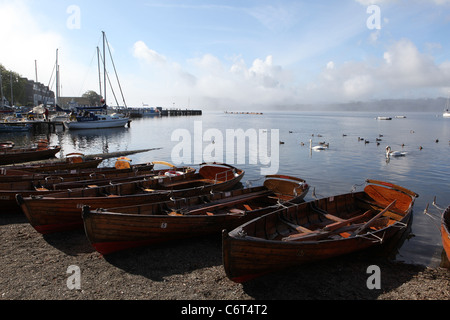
{"points": [[180, 112], [159, 112]]}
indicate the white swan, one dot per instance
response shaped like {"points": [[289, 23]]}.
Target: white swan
{"points": [[318, 148], [390, 153]]}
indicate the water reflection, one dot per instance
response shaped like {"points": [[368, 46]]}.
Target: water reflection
{"points": [[94, 141], [348, 160]]}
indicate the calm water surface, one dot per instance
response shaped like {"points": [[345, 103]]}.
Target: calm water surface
{"points": [[347, 162]]}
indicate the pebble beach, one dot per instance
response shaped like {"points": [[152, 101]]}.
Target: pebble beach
{"points": [[36, 267]]}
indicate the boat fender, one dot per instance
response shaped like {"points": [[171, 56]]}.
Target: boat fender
{"points": [[173, 173]]}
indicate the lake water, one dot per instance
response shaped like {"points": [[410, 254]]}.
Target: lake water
{"points": [[348, 161]]}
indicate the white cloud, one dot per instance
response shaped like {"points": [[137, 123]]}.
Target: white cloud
{"points": [[380, 2], [23, 42], [208, 77], [402, 71], [26, 40], [142, 52], [406, 66]]}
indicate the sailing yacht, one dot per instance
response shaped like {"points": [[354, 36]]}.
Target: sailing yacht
{"points": [[446, 113], [97, 117]]}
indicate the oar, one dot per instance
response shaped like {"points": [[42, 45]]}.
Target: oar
{"points": [[337, 225], [329, 230], [369, 223], [317, 235]]}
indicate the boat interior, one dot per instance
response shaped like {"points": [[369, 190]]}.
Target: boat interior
{"points": [[231, 202], [337, 217]]}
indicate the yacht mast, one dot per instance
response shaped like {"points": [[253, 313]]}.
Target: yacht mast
{"points": [[104, 65], [57, 78], [99, 71]]}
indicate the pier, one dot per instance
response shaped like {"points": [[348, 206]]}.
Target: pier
{"points": [[180, 112], [159, 112], [50, 126]]}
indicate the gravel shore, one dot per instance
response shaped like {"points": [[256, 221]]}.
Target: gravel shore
{"points": [[35, 267]]}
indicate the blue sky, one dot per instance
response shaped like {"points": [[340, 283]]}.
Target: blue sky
{"points": [[235, 54]]}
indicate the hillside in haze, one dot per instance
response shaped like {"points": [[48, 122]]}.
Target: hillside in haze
{"points": [[389, 105]]}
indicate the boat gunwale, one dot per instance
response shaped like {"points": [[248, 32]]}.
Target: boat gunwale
{"points": [[240, 234]]}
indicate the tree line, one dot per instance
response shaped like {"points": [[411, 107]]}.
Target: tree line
{"points": [[18, 95]]}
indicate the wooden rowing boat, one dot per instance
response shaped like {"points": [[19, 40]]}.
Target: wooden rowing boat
{"points": [[19, 155], [114, 229], [445, 233], [62, 211], [70, 179], [9, 174], [317, 230], [55, 183], [73, 161]]}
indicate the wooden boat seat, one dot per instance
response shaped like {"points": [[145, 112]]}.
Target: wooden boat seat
{"points": [[394, 214], [296, 227], [282, 197], [326, 214], [336, 228], [237, 211], [321, 234], [175, 214], [180, 183], [219, 203]]}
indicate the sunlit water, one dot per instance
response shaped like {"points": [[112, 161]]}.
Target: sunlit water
{"points": [[347, 162]]}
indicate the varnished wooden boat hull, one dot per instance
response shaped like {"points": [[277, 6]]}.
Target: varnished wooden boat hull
{"points": [[123, 228], [445, 234], [60, 165], [11, 175], [20, 156], [62, 211], [51, 185], [262, 245]]}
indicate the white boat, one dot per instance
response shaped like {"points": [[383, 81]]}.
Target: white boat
{"points": [[59, 117], [97, 117], [446, 113], [97, 121], [384, 118]]}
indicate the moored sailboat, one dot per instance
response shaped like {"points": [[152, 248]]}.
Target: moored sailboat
{"points": [[98, 117]]}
